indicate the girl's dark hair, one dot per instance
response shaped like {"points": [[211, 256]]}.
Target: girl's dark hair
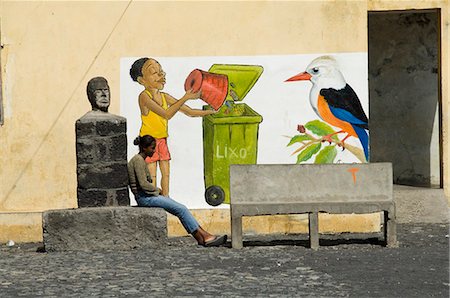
{"points": [[144, 141], [136, 68]]}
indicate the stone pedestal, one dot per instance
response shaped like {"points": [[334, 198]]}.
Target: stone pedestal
{"points": [[104, 228], [101, 146]]}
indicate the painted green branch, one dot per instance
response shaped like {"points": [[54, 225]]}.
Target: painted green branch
{"points": [[357, 152]]}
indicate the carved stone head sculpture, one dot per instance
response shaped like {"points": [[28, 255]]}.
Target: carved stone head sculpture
{"points": [[98, 93]]}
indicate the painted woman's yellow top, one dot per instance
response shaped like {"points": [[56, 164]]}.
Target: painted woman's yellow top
{"points": [[153, 124]]}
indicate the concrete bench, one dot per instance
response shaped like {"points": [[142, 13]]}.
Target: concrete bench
{"points": [[294, 189]]}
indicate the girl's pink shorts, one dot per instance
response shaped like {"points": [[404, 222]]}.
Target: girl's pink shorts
{"points": [[161, 151]]}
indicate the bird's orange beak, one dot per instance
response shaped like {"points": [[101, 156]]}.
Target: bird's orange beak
{"points": [[304, 76]]}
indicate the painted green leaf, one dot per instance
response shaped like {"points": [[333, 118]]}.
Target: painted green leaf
{"points": [[308, 152], [321, 129], [298, 139], [326, 155]]}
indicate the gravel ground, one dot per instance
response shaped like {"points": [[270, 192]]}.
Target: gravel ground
{"points": [[268, 266]]}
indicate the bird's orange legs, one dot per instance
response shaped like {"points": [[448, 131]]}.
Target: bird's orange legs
{"points": [[343, 140], [328, 138]]}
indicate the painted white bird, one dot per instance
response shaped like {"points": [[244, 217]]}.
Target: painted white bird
{"points": [[334, 101]]}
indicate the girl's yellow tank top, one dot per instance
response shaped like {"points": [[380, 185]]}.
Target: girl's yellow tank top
{"points": [[152, 123]]}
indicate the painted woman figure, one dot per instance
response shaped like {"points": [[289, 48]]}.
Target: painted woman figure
{"points": [[156, 109]]}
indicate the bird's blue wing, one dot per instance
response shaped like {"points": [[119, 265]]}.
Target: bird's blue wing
{"points": [[345, 116], [345, 105]]}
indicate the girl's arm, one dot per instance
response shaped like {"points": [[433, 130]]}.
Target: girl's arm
{"points": [[188, 111], [167, 114]]}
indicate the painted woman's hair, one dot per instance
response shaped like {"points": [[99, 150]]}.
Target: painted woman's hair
{"points": [[136, 68]]}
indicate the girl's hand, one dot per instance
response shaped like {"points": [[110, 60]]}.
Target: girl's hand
{"points": [[191, 95]]}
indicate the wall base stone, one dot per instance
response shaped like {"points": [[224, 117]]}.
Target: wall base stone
{"points": [[104, 228], [94, 197]]}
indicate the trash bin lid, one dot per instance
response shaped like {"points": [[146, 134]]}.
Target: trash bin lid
{"points": [[241, 78]]}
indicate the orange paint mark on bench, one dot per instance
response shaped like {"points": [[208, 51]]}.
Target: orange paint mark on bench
{"points": [[353, 171]]}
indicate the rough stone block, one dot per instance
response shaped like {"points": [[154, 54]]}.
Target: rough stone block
{"points": [[104, 228], [121, 195], [101, 149], [104, 125], [95, 197], [117, 147], [111, 127], [102, 175], [84, 128], [90, 150]]}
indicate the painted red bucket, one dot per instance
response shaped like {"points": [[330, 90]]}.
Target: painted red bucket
{"points": [[214, 86]]}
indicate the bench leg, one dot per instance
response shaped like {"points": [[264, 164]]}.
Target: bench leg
{"points": [[390, 230], [236, 231], [313, 230]]}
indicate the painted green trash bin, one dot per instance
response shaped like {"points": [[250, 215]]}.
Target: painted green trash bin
{"points": [[230, 136]]}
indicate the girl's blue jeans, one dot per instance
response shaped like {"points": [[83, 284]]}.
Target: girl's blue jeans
{"points": [[173, 207]]}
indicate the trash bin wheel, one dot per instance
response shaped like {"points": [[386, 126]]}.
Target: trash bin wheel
{"points": [[214, 195]]}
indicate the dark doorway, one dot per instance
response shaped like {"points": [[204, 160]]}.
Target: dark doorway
{"points": [[404, 94]]}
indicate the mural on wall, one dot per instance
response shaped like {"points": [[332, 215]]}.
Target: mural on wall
{"points": [[336, 103], [239, 92]]}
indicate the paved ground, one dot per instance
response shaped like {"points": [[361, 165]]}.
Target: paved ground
{"points": [[358, 267]]}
